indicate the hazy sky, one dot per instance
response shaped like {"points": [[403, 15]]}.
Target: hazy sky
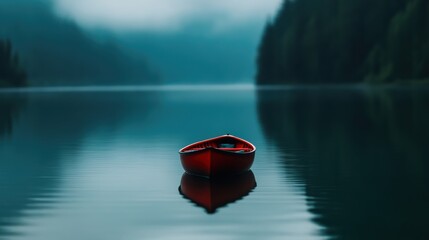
{"points": [[166, 15], [185, 41]]}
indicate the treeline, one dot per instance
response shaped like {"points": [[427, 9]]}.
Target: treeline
{"points": [[11, 73], [339, 41]]}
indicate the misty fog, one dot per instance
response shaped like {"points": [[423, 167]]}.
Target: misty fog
{"points": [[65, 42]]}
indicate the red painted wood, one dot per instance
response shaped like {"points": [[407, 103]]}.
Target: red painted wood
{"points": [[224, 149], [207, 158]]}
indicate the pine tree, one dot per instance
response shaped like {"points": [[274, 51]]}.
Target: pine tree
{"points": [[11, 74]]}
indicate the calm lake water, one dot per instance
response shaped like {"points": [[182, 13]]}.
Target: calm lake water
{"points": [[330, 164]]}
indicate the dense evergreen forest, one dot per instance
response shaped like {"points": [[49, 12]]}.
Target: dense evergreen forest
{"points": [[11, 73], [56, 51], [339, 41]]}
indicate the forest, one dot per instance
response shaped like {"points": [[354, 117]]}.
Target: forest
{"points": [[11, 73], [342, 42]]}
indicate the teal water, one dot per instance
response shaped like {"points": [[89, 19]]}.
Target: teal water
{"points": [[103, 163]]}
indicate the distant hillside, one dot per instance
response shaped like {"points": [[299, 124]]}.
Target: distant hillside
{"points": [[11, 73], [346, 41], [56, 51]]}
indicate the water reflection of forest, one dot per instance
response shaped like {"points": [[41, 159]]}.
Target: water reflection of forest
{"points": [[9, 110], [33, 132], [361, 155]]}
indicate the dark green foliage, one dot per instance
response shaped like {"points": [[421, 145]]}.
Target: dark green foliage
{"points": [[337, 41], [11, 73]]}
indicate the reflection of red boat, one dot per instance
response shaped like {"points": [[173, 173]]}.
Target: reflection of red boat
{"points": [[214, 193], [224, 155]]}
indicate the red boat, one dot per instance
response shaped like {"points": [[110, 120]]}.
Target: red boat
{"points": [[215, 193], [223, 155]]}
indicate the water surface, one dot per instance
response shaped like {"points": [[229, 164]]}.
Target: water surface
{"points": [[330, 164]]}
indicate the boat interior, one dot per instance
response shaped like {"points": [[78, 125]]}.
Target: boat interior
{"points": [[225, 144]]}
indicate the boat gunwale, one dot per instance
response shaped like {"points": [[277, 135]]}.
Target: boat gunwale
{"points": [[181, 151]]}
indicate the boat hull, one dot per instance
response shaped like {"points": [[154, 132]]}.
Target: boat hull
{"points": [[223, 155], [213, 162]]}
